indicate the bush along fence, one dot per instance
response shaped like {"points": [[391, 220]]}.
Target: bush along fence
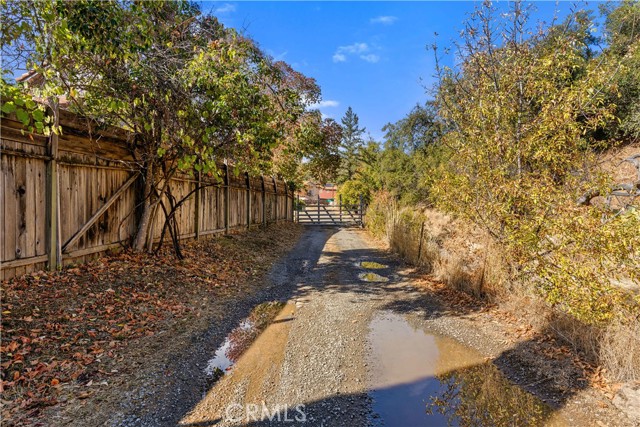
{"points": [[70, 197]]}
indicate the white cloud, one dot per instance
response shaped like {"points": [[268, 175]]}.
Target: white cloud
{"points": [[225, 8], [354, 48], [384, 20], [371, 57], [339, 57], [324, 104], [363, 50]]}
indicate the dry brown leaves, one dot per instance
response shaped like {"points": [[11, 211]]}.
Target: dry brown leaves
{"points": [[61, 328]]}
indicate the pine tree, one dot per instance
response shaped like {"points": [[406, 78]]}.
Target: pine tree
{"points": [[352, 143]]}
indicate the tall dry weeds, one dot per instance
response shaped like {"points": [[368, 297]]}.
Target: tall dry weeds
{"points": [[468, 260], [620, 350]]}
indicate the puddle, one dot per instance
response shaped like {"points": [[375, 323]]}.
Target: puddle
{"points": [[241, 338], [222, 360], [254, 368], [372, 265], [423, 379], [372, 277]]}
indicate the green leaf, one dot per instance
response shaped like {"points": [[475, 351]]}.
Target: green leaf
{"points": [[8, 107], [38, 115], [23, 116]]}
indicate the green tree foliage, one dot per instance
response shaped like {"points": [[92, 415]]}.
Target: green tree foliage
{"points": [[365, 179], [411, 153], [522, 119], [191, 92], [418, 130], [352, 142], [510, 144], [323, 158], [622, 35]]}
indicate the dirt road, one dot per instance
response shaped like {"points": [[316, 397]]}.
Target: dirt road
{"points": [[359, 343]]}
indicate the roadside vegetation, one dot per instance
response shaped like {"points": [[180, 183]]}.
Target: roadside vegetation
{"points": [[519, 182]]}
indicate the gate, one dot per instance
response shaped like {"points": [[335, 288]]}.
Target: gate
{"points": [[319, 213]]}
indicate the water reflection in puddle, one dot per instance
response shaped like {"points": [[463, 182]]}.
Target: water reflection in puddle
{"points": [[224, 358], [372, 277], [371, 265], [241, 338], [420, 379]]}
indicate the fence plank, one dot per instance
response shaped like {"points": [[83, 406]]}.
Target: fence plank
{"points": [[264, 203], [196, 222], [99, 213], [248, 179], [53, 201], [275, 198], [10, 202], [226, 198]]}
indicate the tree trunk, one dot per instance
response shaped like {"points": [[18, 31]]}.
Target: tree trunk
{"points": [[147, 207]]}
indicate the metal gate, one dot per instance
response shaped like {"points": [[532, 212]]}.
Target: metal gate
{"points": [[320, 213]]}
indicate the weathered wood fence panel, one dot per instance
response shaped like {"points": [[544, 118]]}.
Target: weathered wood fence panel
{"points": [[70, 200]]}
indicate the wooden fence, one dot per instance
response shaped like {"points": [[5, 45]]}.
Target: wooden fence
{"points": [[70, 197]]}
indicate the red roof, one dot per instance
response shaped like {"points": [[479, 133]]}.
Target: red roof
{"points": [[328, 194]]}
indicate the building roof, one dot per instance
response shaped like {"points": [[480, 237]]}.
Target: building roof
{"points": [[328, 193]]}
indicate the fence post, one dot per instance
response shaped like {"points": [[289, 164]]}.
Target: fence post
{"points": [[264, 203], [318, 207], [286, 200], [196, 224], [54, 251], [297, 211], [248, 199], [340, 207], [292, 196], [226, 198], [275, 209], [420, 243]]}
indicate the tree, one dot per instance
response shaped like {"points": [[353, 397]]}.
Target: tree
{"points": [[323, 160], [419, 129], [523, 109], [622, 35], [352, 142], [191, 93], [364, 181], [411, 154]]}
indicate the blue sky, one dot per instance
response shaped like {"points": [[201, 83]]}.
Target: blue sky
{"points": [[372, 56]]}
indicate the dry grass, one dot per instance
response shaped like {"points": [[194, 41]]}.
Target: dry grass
{"points": [[464, 258], [461, 256], [620, 350], [615, 347]]}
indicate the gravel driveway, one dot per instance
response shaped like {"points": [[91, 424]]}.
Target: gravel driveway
{"points": [[317, 363]]}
